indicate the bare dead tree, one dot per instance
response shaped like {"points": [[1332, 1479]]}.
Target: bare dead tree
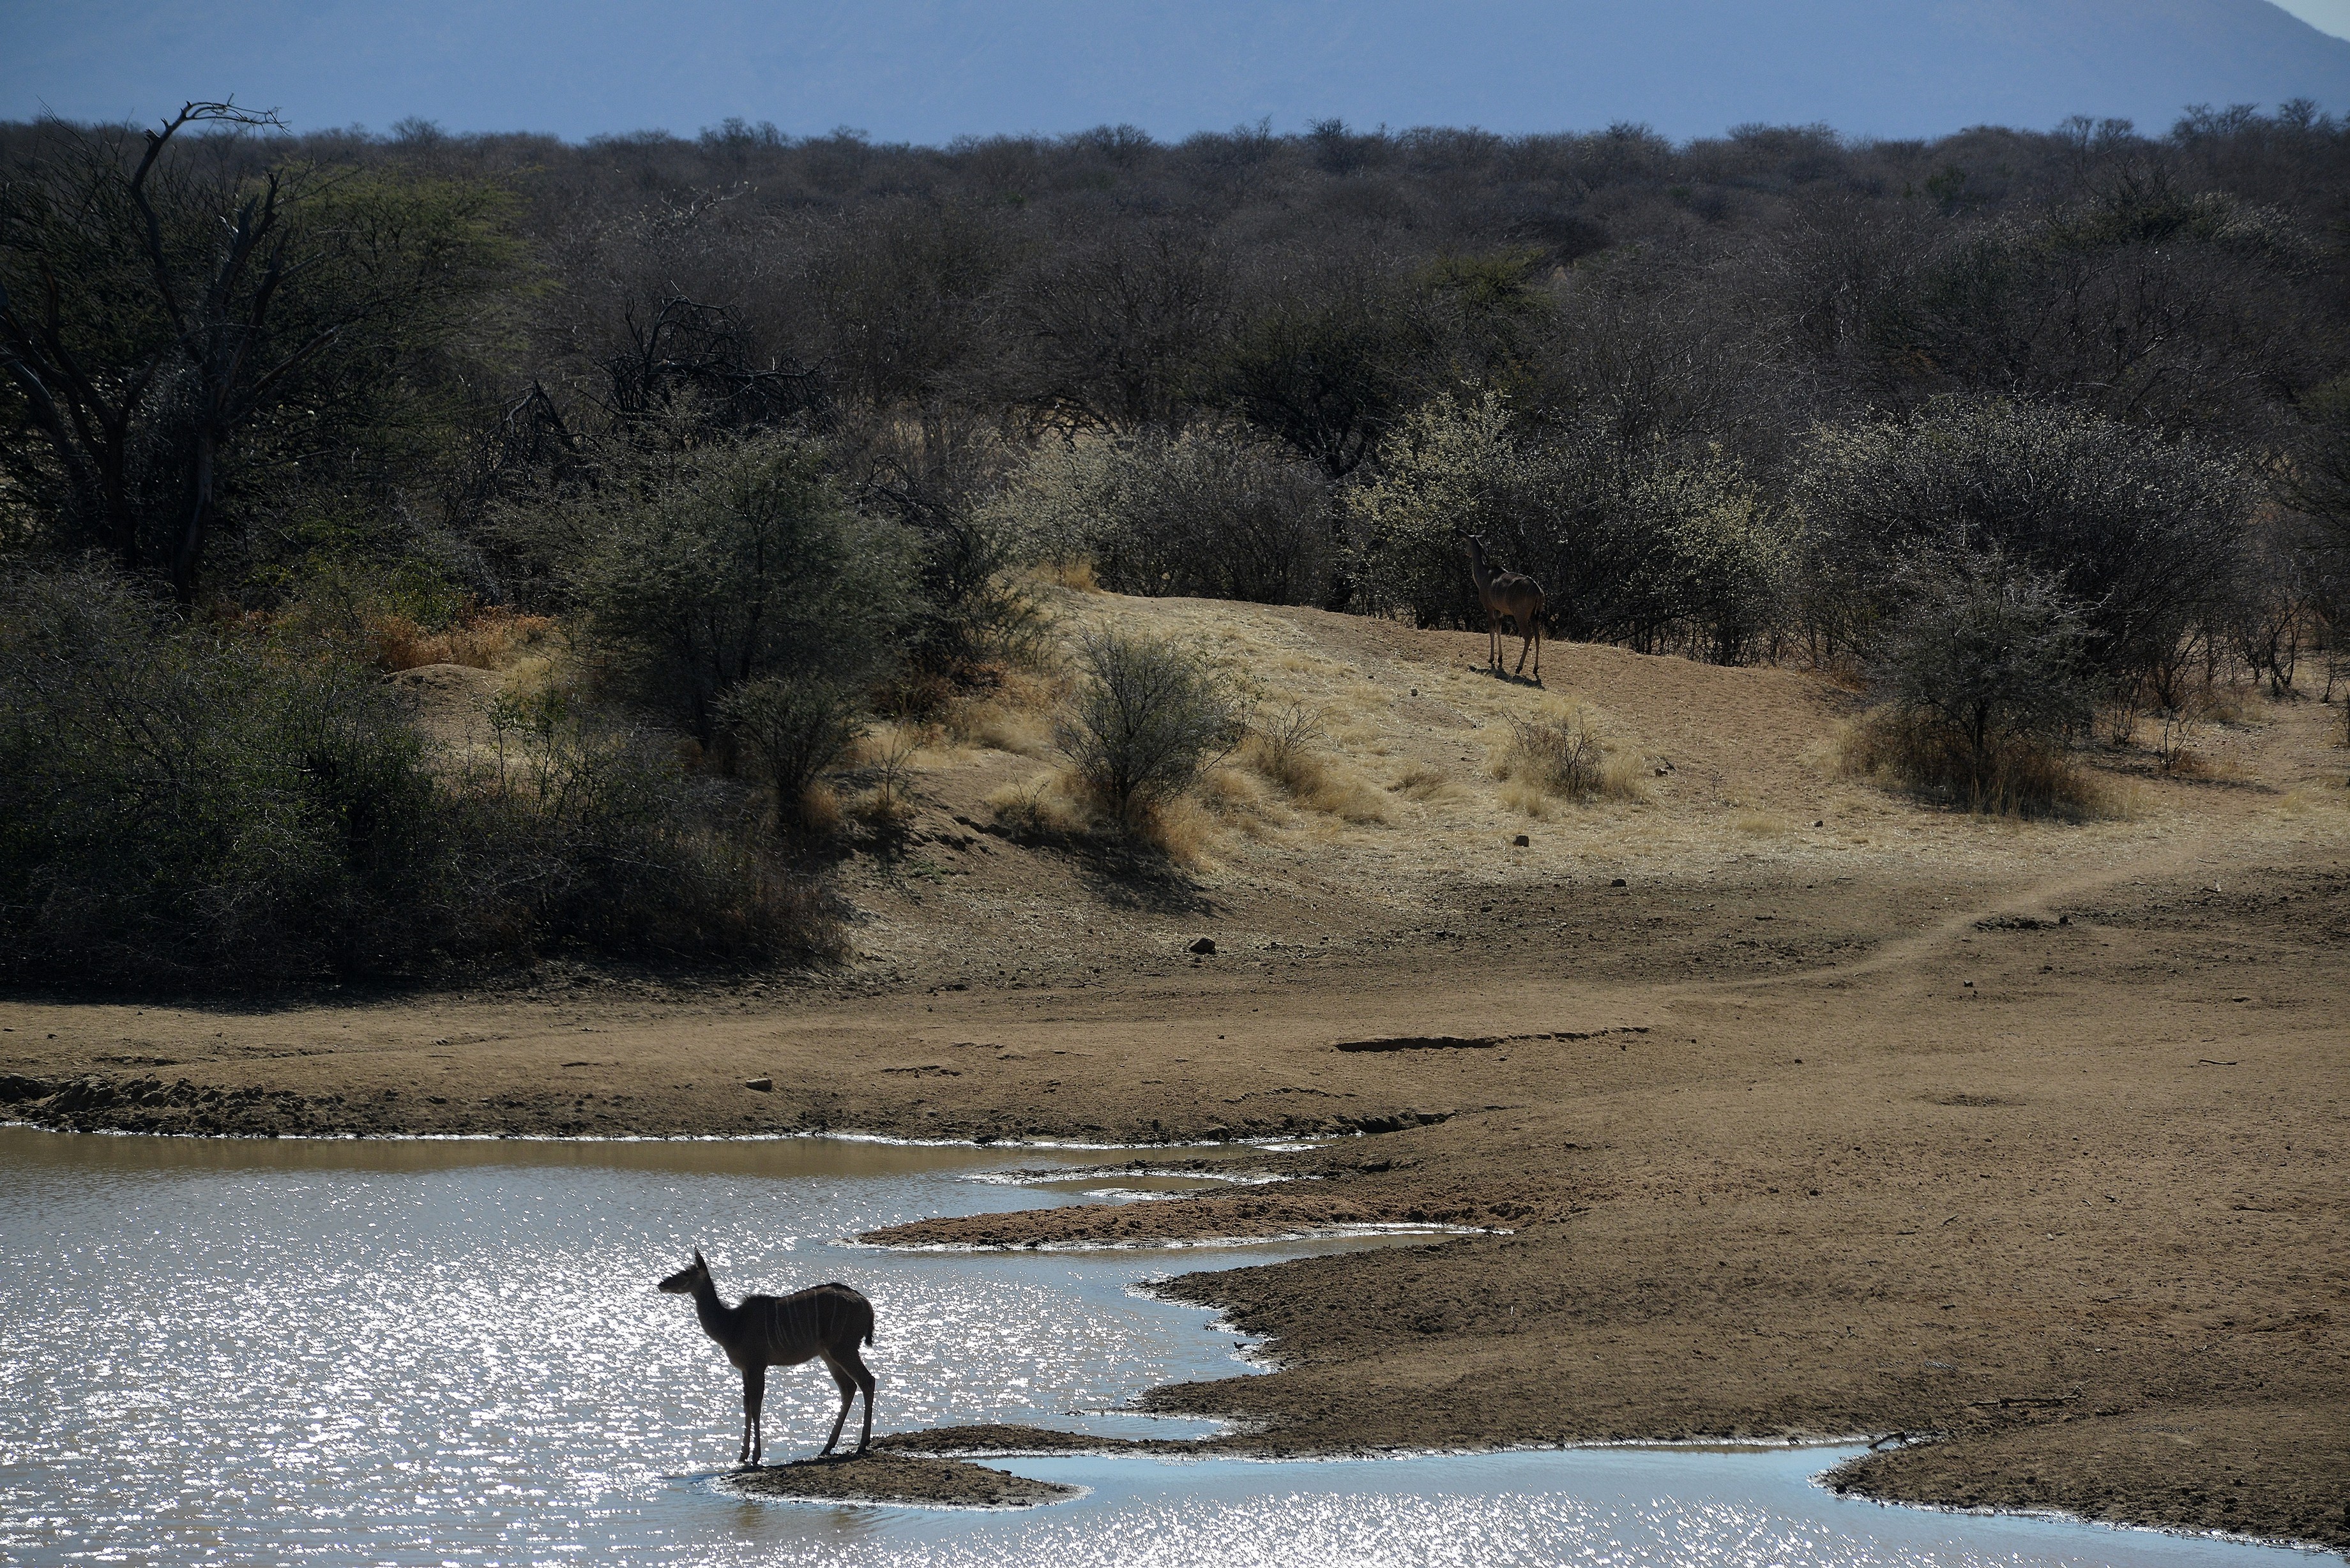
{"points": [[88, 410]]}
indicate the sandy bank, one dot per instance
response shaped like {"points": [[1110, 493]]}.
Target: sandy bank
{"points": [[896, 1479]]}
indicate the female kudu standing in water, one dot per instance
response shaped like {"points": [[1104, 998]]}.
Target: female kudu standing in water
{"points": [[829, 1321]]}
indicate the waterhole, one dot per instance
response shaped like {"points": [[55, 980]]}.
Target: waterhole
{"points": [[451, 1352]]}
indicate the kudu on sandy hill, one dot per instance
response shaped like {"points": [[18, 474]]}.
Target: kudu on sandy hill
{"points": [[1511, 594], [828, 1320]]}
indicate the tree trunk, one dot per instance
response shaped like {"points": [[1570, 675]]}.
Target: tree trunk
{"points": [[191, 547]]}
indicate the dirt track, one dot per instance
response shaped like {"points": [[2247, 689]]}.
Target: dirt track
{"points": [[2025, 1139]]}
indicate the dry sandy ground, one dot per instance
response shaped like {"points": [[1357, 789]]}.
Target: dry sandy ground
{"points": [[1837, 1115]]}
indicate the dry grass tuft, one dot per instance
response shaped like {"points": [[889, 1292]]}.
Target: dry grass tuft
{"points": [[1179, 829], [820, 811], [886, 753], [1561, 756], [999, 729], [486, 639], [882, 807], [1057, 805], [1014, 716], [1076, 576], [1284, 748], [2025, 778], [1050, 804], [1233, 794], [1760, 823], [1421, 783]]}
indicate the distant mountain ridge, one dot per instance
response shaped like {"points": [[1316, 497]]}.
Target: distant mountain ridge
{"points": [[928, 70]]}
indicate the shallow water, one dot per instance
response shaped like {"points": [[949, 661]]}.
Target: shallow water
{"points": [[1674, 1508], [430, 1352]]}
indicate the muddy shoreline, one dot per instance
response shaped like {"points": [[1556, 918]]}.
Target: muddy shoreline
{"points": [[895, 1479]]}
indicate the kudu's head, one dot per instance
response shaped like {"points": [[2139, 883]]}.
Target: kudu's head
{"points": [[685, 1281]]}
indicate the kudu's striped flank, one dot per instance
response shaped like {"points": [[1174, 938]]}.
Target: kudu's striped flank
{"points": [[828, 1320]]}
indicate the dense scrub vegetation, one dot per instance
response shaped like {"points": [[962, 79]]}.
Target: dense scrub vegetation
{"points": [[186, 803], [770, 426]]}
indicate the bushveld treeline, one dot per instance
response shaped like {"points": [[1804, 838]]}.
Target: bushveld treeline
{"points": [[2033, 427]]}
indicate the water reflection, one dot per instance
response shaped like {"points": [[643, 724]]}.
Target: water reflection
{"points": [[425, 1352]]}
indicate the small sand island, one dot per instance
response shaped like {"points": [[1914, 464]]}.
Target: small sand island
{"points": [[897, 1480]]}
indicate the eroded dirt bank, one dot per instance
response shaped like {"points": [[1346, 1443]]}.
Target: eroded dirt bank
{"points": [[1807, 1111]]}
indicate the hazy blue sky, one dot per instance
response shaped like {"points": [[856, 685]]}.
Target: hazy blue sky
{"points": [[927, 70], [2332, 16]]}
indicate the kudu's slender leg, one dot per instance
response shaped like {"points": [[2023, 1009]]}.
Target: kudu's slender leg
{"points": [[847, 1386], [754, 1394], [865, 1382]]}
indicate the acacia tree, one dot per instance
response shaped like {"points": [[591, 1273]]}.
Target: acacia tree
{"points": [[1326, 367], [1988, 654], [158, 310]]}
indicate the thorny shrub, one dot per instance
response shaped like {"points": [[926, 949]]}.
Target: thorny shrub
{"points": [[182, 805], [1147, 719]]}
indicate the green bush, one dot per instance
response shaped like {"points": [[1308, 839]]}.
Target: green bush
{"points": [[1204, 514], [579, 832], [172, 805], [1148, 717], [2144, 534], [736, 564], [182, 807], [795, 729], [1453, 468], [1988, 681], [1643, 546]]}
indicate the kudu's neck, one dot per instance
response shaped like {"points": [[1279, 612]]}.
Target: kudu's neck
{"points": [[1481, 570], [717, 1318]]}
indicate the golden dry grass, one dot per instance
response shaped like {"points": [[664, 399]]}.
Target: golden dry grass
{"points": [[1560, 753], [1056, 804], [820, 813], [1044, 803], [1287, 748], [1015, 714], [486, 639], [1076, 576]]}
